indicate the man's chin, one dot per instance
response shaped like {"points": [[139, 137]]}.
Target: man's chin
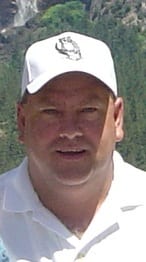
{"points": [[72, 178], [72, 181]]}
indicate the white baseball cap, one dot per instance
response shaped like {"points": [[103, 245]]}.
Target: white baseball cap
{"points": [[67, 52]]}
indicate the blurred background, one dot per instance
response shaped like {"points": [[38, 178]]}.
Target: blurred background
{"points": [[121, 24]]}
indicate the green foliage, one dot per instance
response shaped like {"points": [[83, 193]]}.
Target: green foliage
{"points": [[129, 51], [120, 9], [68, 16], [11, 151], [128, 48]]}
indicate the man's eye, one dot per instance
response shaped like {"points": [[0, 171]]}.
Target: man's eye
{"points": [[89, 109], [50, 111]]}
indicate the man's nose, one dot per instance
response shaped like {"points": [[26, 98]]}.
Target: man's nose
{"points": [[70, 128]]}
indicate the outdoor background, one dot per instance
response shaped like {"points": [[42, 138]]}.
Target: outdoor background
{"points": [[121, 24]]}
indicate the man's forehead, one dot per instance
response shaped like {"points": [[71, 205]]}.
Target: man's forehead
{"points": [[72, 81], [59, 95]]}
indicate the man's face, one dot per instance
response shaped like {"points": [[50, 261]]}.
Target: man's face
{"points": [[69, 128]]}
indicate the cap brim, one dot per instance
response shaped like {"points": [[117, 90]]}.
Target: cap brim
{"points": [[44, 78]]}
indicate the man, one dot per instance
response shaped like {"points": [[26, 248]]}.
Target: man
{"points": [[73, 198]]}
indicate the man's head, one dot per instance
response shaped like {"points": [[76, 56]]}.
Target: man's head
{"points": [[64, 53], [71, 118]]}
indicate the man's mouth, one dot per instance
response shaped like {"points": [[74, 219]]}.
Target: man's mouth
{"points": [[72, 153]]}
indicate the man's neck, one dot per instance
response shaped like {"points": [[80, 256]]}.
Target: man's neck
{"points": [[75, 206]]}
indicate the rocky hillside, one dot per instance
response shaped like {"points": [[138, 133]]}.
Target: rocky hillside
{"points": [[10, 10], [103, 20], [18, 18], [129, 11]]}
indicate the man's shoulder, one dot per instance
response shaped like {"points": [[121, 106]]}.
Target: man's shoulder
{"points": [[134, 171], [4, 177], [126, 168], [7, 177], [135, 180], [4, 180], [130, 182]]}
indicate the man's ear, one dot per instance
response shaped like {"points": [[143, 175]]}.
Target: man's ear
{"points": [[20, 121], [119, 116]]}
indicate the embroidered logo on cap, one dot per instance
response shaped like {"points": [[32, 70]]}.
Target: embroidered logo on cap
{"points": [[68, 47]]}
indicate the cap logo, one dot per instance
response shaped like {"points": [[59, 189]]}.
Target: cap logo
{"points": [[68, 47]]}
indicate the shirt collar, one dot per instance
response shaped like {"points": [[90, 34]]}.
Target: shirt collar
{"points": [[128, 187], [19, 195]]}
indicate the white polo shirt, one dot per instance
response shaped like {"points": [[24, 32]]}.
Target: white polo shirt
{"points": [[117, 232]]}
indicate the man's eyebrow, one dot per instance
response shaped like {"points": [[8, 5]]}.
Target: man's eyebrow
{"points": [[92, 98]]}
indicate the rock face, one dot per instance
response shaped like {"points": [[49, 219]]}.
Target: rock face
{"points": [[18, 12], [8, 9], [26, 10]]}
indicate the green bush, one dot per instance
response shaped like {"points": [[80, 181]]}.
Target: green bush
{"points": [[68, 16]]}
